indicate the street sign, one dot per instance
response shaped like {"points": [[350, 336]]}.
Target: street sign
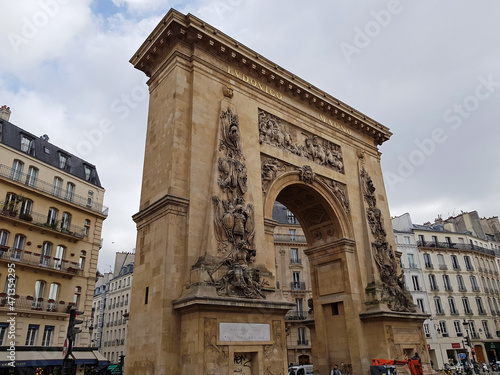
{"points": [[65, 348], [455, 345], [472, 350]]}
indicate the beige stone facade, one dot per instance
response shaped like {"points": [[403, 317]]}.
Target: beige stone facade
{"points": [[229, 133], [50, 233]]}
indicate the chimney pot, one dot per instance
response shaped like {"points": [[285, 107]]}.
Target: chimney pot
{"points": [[5, 113]]}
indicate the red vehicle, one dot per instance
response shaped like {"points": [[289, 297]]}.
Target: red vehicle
{"points": [[413, 364]]}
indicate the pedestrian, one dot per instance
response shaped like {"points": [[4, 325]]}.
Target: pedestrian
{"points": [[416, 356], [336, 370]]}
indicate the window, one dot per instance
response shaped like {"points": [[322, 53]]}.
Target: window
{"points": [[19, 241], [458, 328], [465, 302], [26, 144], [48, 332], [435, 240], [10, 202], [76, 298], [454, 262], [60, 251], [301, 331], [448, 242], [86, 227], [66, 221], [57, 187], [52, 217], [427, 261], [54, 291], [443, 328], [472, 327], [4, 237], [17, 170], [420, 304], [3, 333], [46, 252], [70, 191], [437, 304], [486, 329], [406, 240], [411, 261], [31, 334], [427, 330], [10, 285], [299, 307], [480, 307], [446, 282], [89, 173], [39, 289], [416, 284], [289, 217], [26, 208], [496, 306], [461, 284], [468, 263], [453, 307], [32, 176], [294, 256], [421, 239], [291, 233], [490, 306], [442, 264], [432, 282], [296, 284], [473, 283], [63, 161]]}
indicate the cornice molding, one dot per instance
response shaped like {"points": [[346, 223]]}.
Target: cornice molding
{"points": [[177, 28]]}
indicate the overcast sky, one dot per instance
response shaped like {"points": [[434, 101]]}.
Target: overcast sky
{"points": [[428, 70]]}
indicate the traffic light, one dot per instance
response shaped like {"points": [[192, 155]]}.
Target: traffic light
{"points": [[73, 328], [468, 342]]}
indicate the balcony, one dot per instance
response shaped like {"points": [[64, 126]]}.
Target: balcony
{"points": [[457, 246], [429, 266], [40, 220], [51, 189], [296, 261], [28, 303], [302, 342], [443, 267], [298, 285], [294, 238], [462, 289], [296, 315], [37, 260], [457, 267]]}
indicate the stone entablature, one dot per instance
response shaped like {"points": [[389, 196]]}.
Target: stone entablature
{"points": [[251, 68]]}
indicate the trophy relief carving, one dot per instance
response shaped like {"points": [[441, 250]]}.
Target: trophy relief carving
{"points": [[393, 291], [234, 222]]}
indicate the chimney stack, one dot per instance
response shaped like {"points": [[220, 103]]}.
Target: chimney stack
{"points": [[5, 113]]}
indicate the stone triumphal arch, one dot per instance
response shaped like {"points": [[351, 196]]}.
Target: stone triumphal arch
{"points": [[229, 132]]}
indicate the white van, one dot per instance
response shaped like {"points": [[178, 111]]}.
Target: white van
{"points": [[301, 370]]}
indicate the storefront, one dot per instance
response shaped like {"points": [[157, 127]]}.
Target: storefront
{"points": [[492, 351]]}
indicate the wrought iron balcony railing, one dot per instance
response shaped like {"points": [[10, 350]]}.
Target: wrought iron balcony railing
{"points": [[302, 342], [54, 190], [296, 315], [290, 238], [11, 254], [298, 285], [457, 246], [41, 221], [20, 303]]}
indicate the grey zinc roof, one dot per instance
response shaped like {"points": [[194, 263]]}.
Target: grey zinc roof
{"points": [[46, 152]]}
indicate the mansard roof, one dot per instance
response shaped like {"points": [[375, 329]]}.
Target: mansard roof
{"points": [[44, 151]]}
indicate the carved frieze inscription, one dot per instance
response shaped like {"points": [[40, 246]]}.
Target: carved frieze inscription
{"points": [[282, 134]]}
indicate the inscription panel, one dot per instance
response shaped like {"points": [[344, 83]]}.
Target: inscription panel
{"points": [[244, 332]]}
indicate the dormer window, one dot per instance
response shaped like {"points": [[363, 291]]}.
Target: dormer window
{"points": [[26, 144], [88, 172], [63, 161]]}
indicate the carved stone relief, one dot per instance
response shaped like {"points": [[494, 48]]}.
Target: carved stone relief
{"points": [[273, 354], [234, 224], [340, 191], [215, 358], [282, 134], [393, 291], [307, 175]]}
